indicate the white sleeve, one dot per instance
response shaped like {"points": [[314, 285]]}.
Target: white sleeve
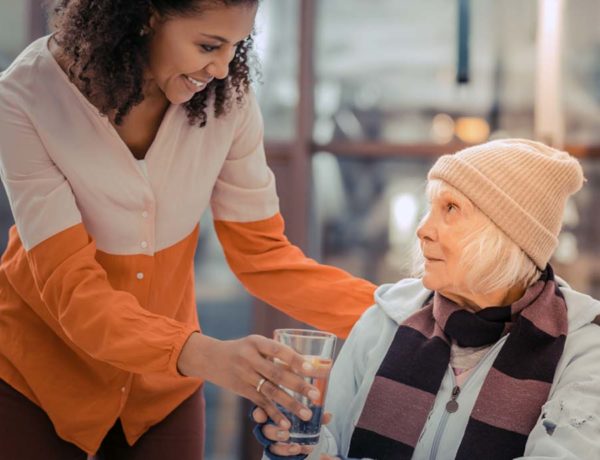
{"points": [[569, 425], [40, 197], [245, 189]]}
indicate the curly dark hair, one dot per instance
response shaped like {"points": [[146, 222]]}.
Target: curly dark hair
{"points": [[101, 39]]}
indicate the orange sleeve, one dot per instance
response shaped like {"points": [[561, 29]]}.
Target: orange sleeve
{"points": [[277, 272], [108, 324]]}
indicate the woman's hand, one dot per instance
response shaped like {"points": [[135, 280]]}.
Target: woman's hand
{"points": [[280, 436], [241, 365]]}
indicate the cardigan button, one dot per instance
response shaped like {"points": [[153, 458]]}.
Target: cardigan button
{"points": [[144, 244], [139, 276]]}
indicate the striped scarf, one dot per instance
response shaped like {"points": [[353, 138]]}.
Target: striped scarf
{"points": [[510, 400]]}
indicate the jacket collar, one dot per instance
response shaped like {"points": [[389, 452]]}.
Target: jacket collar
{"points": [[401, 299]]}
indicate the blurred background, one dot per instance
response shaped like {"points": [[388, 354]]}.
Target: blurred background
{"points": [[359, 99]]}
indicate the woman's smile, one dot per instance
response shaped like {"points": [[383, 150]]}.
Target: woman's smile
{"points": [[193, 85]]}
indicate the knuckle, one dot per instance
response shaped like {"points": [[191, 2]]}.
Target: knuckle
{"points": [[297, 360], [276, 374], [253, 338], [275, 348], [269, 390], [241, 354], [246, 353]]}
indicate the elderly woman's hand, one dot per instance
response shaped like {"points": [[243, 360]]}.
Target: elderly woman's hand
{"points": [[279, 436], [246, 366]]}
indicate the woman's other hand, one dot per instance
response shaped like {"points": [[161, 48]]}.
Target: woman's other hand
{"points": [[241, 365]]}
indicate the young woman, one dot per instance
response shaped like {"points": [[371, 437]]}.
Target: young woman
{"points": [[116, 133]]}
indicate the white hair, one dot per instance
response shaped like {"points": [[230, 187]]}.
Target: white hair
{"points": [[490, 259]]}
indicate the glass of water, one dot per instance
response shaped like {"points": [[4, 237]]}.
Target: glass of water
{"points": [[317, 348]]}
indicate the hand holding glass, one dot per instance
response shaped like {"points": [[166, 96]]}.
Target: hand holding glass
{"points": [[317, 348]]}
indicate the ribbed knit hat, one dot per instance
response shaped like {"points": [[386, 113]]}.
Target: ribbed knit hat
{"points": [[521, 185]]}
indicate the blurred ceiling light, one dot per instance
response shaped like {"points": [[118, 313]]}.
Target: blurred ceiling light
{"points": [[323, 130], [472, 130], [442, 128], [567, 251], [331, 202], [548, 108], [328, 95], [404, 208], [571, 215]]}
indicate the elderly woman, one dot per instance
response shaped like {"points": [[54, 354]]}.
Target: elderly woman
{"points": [[488, 355]]}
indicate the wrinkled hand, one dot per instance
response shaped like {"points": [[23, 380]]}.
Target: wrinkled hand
{"points": [[239, 365], [281, 435]]}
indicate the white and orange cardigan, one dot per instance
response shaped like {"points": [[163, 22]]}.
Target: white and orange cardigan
{"points": [[97, 283]]}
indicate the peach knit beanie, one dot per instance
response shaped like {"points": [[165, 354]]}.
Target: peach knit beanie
{"points": [[521, 185]]}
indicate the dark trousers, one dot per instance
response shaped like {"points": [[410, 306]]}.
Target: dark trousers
{"points": [[26, 433]]}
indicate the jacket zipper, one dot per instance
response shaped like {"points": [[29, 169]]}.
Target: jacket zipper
{"points": [[453, 404], [442, 425]]}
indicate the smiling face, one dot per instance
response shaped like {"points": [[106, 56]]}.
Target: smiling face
{"points": [[451, 221], [187, 52]]}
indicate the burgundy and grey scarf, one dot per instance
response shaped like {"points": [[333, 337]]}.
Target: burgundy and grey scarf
{"points": [[510, 400]]}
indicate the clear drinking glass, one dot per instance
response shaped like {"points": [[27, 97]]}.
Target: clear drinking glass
{"points": [[317, 348]]}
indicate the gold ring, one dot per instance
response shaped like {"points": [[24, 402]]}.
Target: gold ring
{"points": [[260, 384]]}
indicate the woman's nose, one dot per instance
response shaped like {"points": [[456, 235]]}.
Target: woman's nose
{"points": [[426, 230], [219, 67], [218, 70]]}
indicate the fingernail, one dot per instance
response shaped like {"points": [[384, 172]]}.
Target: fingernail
{"points": [[307, 366], [281, 434], [314, 394], [283, 423], [294, 448], [305, 414]]}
